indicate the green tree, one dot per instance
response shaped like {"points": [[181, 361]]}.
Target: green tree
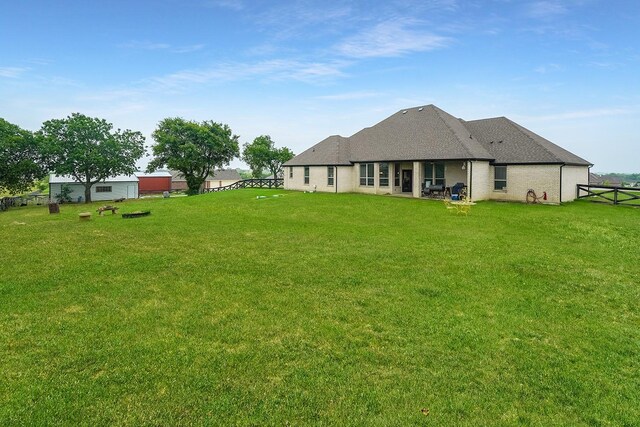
{"points": [[87, 149], [262, 154], [20, 158], [194, 149]]}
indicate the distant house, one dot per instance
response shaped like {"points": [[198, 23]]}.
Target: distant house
{"points": [[154, 182], [610, 180], [220, 178], [594, 179], [497, 159], [117, 187]]}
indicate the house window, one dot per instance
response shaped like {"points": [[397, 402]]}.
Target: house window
{"points": [[396, 174], [384, 175], [434, 173], [329, 175], [103, 189], [290, 171], [366, 174], [500, 178], [306, 174]]}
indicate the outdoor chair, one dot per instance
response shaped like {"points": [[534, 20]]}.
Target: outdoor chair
{"points": [[457, 190]]}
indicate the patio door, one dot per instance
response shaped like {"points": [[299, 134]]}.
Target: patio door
{"points": [[407, 181]]}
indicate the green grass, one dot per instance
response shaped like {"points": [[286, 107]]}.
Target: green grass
{"points": [[320, 309]]}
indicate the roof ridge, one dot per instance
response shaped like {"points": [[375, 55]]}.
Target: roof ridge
{"points": [[464, 146]]}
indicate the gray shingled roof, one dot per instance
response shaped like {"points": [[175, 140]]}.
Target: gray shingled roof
{"points": [[429, 133], [423, 133], [333, 150], [225, 175], [508, 142], [220, 174]]}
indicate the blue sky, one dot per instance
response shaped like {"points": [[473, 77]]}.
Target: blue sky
{"points": [[299, 71]]}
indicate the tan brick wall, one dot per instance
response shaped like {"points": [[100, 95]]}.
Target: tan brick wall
{"points": [[571, 177], [521, 178], [481, 180], [342, 178]]}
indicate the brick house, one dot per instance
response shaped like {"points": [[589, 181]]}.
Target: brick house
{"points": [[496, 159]]}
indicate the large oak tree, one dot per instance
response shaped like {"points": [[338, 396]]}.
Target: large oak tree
{"points": [[262, 154], [20, 158], [87, 149], [194, 149]]}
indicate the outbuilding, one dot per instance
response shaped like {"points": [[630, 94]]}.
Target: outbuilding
{"points": [[154, 182], [112, 188]]}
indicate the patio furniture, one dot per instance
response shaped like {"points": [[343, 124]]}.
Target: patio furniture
{"points": [[113, 209], [436, 191]]}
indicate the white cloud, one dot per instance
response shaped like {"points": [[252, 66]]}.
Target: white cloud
{"points": [[545, 9], [276, 69], [348, 96], [235, 5], [147, 45], [547, 68], [579, 114], [12, 72], [391, 38]]}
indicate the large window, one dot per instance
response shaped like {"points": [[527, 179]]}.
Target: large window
{"points": [[366, 174], [103, 189], [306, 174], [396, 174], [384, 175], [434, 173], [330, 175], [500, 178]]}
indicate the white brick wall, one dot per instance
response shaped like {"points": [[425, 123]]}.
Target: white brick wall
{"points": [[571, 177], [521, 178], [482, 180]]}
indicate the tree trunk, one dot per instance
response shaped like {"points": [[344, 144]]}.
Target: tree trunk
{"points": [[194, 184], [87, 192]]}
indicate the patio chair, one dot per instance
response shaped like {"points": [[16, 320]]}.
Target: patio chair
{"points": [[425, 187], [457, 190]]}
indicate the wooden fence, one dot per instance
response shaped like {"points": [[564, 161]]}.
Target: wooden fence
{"points": [[249, 183], [610, 194]]}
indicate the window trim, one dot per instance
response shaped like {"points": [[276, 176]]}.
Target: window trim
{"points": [[330, 176], [306, 175], [431, 174], [396, 174], [290, 172], [104, 189], [497, 180], [383, 180], [368, 179]]}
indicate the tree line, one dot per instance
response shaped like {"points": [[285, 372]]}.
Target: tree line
{"points": [[90, 150]]}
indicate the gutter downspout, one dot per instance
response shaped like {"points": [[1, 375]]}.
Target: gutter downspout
{"points": [[561, 166], [470, 179]]}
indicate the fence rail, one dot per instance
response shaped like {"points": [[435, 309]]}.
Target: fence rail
{"points": [[249, 183], [610, 194]]}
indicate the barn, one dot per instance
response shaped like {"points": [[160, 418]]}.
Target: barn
{"points": [[154, 182]]}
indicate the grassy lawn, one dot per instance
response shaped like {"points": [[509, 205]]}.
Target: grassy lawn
{"points": [[320, 309], [626, 197]]}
